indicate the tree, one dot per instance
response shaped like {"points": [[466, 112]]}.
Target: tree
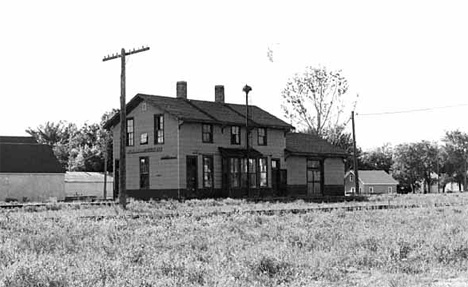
{"points": [[415, 163], [456, 148], [313, 100], [78, 149], [380, 158]]}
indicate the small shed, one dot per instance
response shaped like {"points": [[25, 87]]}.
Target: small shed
{"points": [[29, 171], [315, 167], [87, 185], [371, 182]]}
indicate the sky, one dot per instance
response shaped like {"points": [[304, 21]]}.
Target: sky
{"points": [[396, 55]]}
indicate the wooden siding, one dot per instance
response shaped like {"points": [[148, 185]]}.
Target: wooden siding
{"points": [[32, 186], [163, 171], [191, 144], [378, 188], [297, 172], [334, 171]]}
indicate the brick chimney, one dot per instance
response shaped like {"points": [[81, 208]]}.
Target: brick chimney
{"points": [[182, 89], [219, 94]]}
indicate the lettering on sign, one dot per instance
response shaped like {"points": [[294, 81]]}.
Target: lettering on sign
{"points": [[145, 150]]}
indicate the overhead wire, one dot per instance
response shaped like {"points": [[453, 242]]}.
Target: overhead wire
{"points": [[410, 111]]}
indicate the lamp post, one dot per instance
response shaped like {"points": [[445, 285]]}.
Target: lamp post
{"points": [[464, 175], [246, 90]]}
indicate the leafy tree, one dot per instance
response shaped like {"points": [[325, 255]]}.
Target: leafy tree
{"points": [[313, 100], [456, 149], [78, 149], [378, 159], [414, 163]]}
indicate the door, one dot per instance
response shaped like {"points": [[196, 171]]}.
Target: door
{"points": [[116, 179], [314, 177], [192, 173], [275, 175]]}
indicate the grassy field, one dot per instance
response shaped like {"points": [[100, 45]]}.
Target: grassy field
{"points": [[196, 246]]}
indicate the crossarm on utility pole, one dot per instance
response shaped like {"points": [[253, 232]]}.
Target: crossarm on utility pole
{"points": [[123, 123]]}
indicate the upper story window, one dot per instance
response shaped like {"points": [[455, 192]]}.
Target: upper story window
{"points": [[351, 178], [235, 135], [262, 136], [158, 129], [144, 139], [130, 132], [207, 133]]}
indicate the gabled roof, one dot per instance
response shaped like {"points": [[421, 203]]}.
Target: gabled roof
{"points": [[204, 111], [311, 145], [374, 177], [10, 139], [28, 158], [84, 176]]}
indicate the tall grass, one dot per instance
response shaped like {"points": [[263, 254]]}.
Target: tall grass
{"points": [[368, 248]]}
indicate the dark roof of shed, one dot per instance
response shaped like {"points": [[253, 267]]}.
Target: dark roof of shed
{"points": [[28, 158], [204, 111], [307, 144], [15, 139], [375, 177]]}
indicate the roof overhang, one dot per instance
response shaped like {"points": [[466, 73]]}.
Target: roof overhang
{"points": [[316, 154], [239, 152]]}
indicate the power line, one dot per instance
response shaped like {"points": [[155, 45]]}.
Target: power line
{"points": [[411, 111]]}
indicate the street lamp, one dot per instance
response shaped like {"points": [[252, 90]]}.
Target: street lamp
{"points": [[246, 90], [464, 175]]}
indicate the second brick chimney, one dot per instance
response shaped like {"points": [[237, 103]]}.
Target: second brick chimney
{"points": [[219, 94], [182, 89]]}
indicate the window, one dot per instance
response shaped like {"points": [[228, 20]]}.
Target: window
{"points": [[252, 172], [371, 189], [390, 189], [158, 129], [351, 178], [207, 133], [353, 189], [144, 138], [262, 136], [143, 107], [130, 132], [314, 177], [234, 172], [262, 169], [235, 135], [208, 171], [144, 172]]}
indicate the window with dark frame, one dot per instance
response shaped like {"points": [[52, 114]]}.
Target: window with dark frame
{"points": [[234, 172], [144, 139], [158, 129], [262, 136], [207, 133], [235, 135], [130, 132], [258, 172], [144, 172], [253, 172], [208, 171], [314, 176], [263, 172]]}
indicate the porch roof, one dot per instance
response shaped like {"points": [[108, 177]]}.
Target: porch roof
{"points": [[239, 152]]}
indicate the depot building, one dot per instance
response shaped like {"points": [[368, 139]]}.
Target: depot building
{"points": [[178, 147]]}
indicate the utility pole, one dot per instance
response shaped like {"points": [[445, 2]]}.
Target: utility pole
{"points": [[247, 89], [356, 175], [123, 124]]}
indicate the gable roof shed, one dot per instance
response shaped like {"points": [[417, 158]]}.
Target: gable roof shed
{"points": [[375, 177]]}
